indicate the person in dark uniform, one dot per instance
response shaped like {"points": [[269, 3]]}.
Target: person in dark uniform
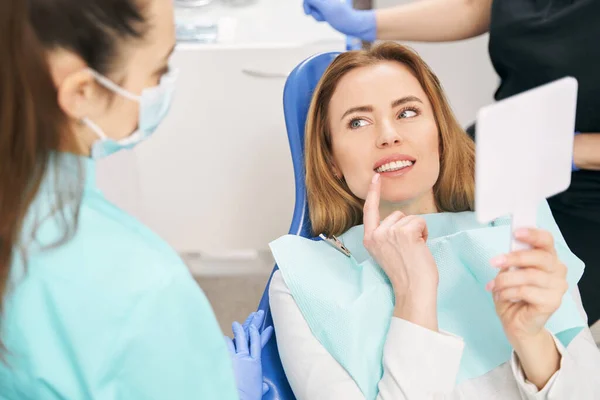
{"points": [[532, 42]]}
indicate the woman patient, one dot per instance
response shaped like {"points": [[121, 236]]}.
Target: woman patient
{"points": [[421, 301]]}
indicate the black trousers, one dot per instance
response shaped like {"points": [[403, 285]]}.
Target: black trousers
{"points": [[583, 238]]}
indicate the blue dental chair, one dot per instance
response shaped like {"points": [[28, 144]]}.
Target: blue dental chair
{"points": [[297, 95]]}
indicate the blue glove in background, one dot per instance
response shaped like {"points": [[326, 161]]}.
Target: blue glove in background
{"points": [[245, 351], [342, 17]]}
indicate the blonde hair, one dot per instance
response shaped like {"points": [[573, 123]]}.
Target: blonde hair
{"points": [[333, 207]]}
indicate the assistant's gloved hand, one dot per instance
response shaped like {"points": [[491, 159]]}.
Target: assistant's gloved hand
{"points": [[342, 17], [245, 351]]}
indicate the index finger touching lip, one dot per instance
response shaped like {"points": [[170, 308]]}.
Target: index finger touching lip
{"points": [[371, 207]]}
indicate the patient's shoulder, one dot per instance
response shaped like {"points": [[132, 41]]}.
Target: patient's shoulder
{"points": [[278, 284]]}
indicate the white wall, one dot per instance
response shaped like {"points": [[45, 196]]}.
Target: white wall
{"points": [[217, 176]]}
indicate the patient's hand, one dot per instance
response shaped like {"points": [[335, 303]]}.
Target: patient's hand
{"points": [[526, 297], [398, 244]]}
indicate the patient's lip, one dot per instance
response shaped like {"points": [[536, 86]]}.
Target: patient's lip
{"points": [[392, 158]]}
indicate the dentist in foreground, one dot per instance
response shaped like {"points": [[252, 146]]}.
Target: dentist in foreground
{"points": [[94, 304]]}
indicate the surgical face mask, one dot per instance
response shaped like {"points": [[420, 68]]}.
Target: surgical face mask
{"points": [[154, 106]]}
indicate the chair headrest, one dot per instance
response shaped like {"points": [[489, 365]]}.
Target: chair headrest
{"points": [[298, 92]]}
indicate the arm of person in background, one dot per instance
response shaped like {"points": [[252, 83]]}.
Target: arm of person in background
{"points": [[586, 151], [418, 363], [419, 21], [245, 350]]}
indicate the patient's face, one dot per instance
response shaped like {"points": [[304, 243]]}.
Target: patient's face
{"points": [[381, 120]]}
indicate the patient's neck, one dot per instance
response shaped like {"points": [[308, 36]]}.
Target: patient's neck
{"points": [[422, 205]]}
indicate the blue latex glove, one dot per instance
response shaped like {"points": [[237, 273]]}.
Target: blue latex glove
{"points": [[342, 17], [246, 356]]}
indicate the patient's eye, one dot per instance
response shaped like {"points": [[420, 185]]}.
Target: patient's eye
{"points": [[357, 123], [409, 112]]}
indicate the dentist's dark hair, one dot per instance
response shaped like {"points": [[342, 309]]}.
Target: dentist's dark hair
{"points": [[32, 125]]}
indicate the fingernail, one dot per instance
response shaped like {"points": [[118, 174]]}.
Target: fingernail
{"points": [[490, 286], [375, 178], [522, 233], [498, 261]]}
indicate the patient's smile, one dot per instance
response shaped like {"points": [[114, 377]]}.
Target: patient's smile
{"points": [[394, 166]]}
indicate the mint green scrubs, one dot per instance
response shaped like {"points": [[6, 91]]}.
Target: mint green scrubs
{"points": [[113, 313]]}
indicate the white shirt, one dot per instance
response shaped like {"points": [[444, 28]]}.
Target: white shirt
{"points": [[420, 364]]}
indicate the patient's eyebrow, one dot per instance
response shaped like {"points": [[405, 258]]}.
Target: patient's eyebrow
{"points": [[404, 100], [357, 109]]}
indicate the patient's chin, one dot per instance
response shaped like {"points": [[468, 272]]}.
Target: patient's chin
{"points": [[398, 197], [407, 196]]}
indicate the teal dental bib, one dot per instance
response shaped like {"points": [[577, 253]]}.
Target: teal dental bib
{"points": [[348, 301]]}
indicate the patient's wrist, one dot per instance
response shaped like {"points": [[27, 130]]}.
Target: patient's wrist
{"points": [[539, 358], [418, 309]]}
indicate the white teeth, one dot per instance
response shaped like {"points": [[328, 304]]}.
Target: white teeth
{"points": [[394, 166]]}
